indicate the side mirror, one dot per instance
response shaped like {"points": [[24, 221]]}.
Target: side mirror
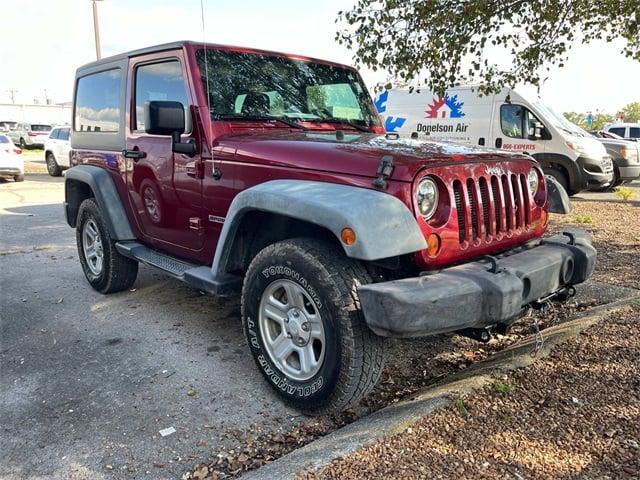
{"points": [[538, 132], [167, 118]]}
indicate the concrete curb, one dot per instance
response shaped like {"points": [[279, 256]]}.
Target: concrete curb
{"points": [[396, 418]]}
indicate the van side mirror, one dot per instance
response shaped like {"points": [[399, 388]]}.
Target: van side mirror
{"points": [[538, 132], [167, 118]]}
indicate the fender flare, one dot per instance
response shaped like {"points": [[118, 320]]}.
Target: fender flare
{"points": [[576, 181], [384, 225], [106, 195]]}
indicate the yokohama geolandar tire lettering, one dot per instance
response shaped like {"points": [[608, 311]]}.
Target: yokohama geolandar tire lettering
{"points": [[352, 355], [114, 272]]}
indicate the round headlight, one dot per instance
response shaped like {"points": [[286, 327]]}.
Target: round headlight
{"points": [[533, 181], [427, 197]]}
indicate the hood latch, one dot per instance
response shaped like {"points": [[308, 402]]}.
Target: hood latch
{"points": [[385, 169]]}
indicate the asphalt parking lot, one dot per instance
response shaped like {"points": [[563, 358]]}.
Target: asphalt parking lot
{"points": [[88, 381]]}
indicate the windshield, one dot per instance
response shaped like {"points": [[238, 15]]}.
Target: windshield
{"points": [[251, 85], [559, 121]]}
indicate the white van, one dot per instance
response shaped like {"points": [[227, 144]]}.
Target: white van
{"points": [[506, 121]]}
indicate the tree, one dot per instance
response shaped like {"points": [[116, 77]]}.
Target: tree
{"points": [[580, 119], [631, 112], [446, 40]]}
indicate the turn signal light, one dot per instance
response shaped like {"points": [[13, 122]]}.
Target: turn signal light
{"points": [[348, 236], [433, 245]]}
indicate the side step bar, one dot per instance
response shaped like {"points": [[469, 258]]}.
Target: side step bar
{"points": [[200, 277]]}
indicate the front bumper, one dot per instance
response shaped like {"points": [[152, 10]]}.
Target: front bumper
{"points": [[596, 172], [631, 172], [478, 294]]}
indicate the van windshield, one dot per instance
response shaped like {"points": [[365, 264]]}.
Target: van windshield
{"points": [[559, 121], [253, 86]]}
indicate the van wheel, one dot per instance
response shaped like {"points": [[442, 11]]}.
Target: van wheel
{"points": [[52, 166], [301, 316], [104, 267], [560, 176]]}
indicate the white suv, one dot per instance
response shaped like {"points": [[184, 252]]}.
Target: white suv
{"points": [[56, 151], [628, 131]]}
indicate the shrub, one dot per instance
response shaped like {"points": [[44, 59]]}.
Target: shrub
{"points": [[625, 193]]}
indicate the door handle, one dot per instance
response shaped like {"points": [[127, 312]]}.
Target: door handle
{"points": [[135, 154], [498, 142]]}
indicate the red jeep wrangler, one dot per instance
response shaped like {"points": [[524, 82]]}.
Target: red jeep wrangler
{"points": [[270, 175]]}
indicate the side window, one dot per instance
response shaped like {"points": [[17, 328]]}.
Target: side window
{"points": [[159, 81], [618, 131], [54, 134], [63, 134], [97, 105], [634, 132], [512, 120]]}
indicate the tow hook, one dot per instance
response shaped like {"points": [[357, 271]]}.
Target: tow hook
{"points": [[480, 334]]}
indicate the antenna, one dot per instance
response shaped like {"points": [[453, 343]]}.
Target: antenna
{"points": [[206, 61]]}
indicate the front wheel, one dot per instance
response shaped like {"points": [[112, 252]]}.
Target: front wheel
{"points": [[303, 322], [104, 267], [52, 166]]}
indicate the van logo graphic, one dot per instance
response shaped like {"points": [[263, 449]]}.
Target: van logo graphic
{"points": [[391, 123], [445, 107]]}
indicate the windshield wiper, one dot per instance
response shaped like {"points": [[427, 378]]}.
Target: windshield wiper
{"points": [[337, 121], [258, 118]]}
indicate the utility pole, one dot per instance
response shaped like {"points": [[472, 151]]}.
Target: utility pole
{"points": [[96, 28]]}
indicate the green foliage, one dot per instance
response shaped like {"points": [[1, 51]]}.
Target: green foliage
{"points": [[580, 119], [502, 388], [625, 193], [631, 112], [445, 42], [584, 219], [461, 407]]}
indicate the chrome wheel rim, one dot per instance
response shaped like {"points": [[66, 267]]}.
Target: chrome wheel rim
{"points": [[292, 330], [92, 247]]}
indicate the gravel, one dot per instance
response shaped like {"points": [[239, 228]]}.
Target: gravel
{"points": [[572, 414], [616, 230]]}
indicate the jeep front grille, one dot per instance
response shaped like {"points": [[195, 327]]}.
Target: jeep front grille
{"points": [[491, 207]]}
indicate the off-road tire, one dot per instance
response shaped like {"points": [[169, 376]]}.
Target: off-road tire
{"points": [[118, 272], [18, 178], [52, 166], [354, 355]]}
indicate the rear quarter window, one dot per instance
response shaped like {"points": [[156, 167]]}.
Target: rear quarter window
{"points": [[97, 103], [634, 132]]}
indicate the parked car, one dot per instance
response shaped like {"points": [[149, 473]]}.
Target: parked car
{"points": [[625, 155], [6, 125], [11, 162], [506, 120], [29, 134], [56, 151], [270, 176], [628, 131]]}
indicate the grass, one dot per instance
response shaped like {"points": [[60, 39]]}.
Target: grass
{"points": [[502, 388], [461, 407], [624, 193], [584, 219]]}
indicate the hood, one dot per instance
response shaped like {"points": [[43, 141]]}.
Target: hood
{"points": [[356, 154]]}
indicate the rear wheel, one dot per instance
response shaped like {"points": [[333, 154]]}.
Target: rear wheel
{"points": [[303, 322], [22, 143], [52, 166], [104, 267]]}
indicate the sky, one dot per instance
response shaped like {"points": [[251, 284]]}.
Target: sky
{"points": [[43, 42]]}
